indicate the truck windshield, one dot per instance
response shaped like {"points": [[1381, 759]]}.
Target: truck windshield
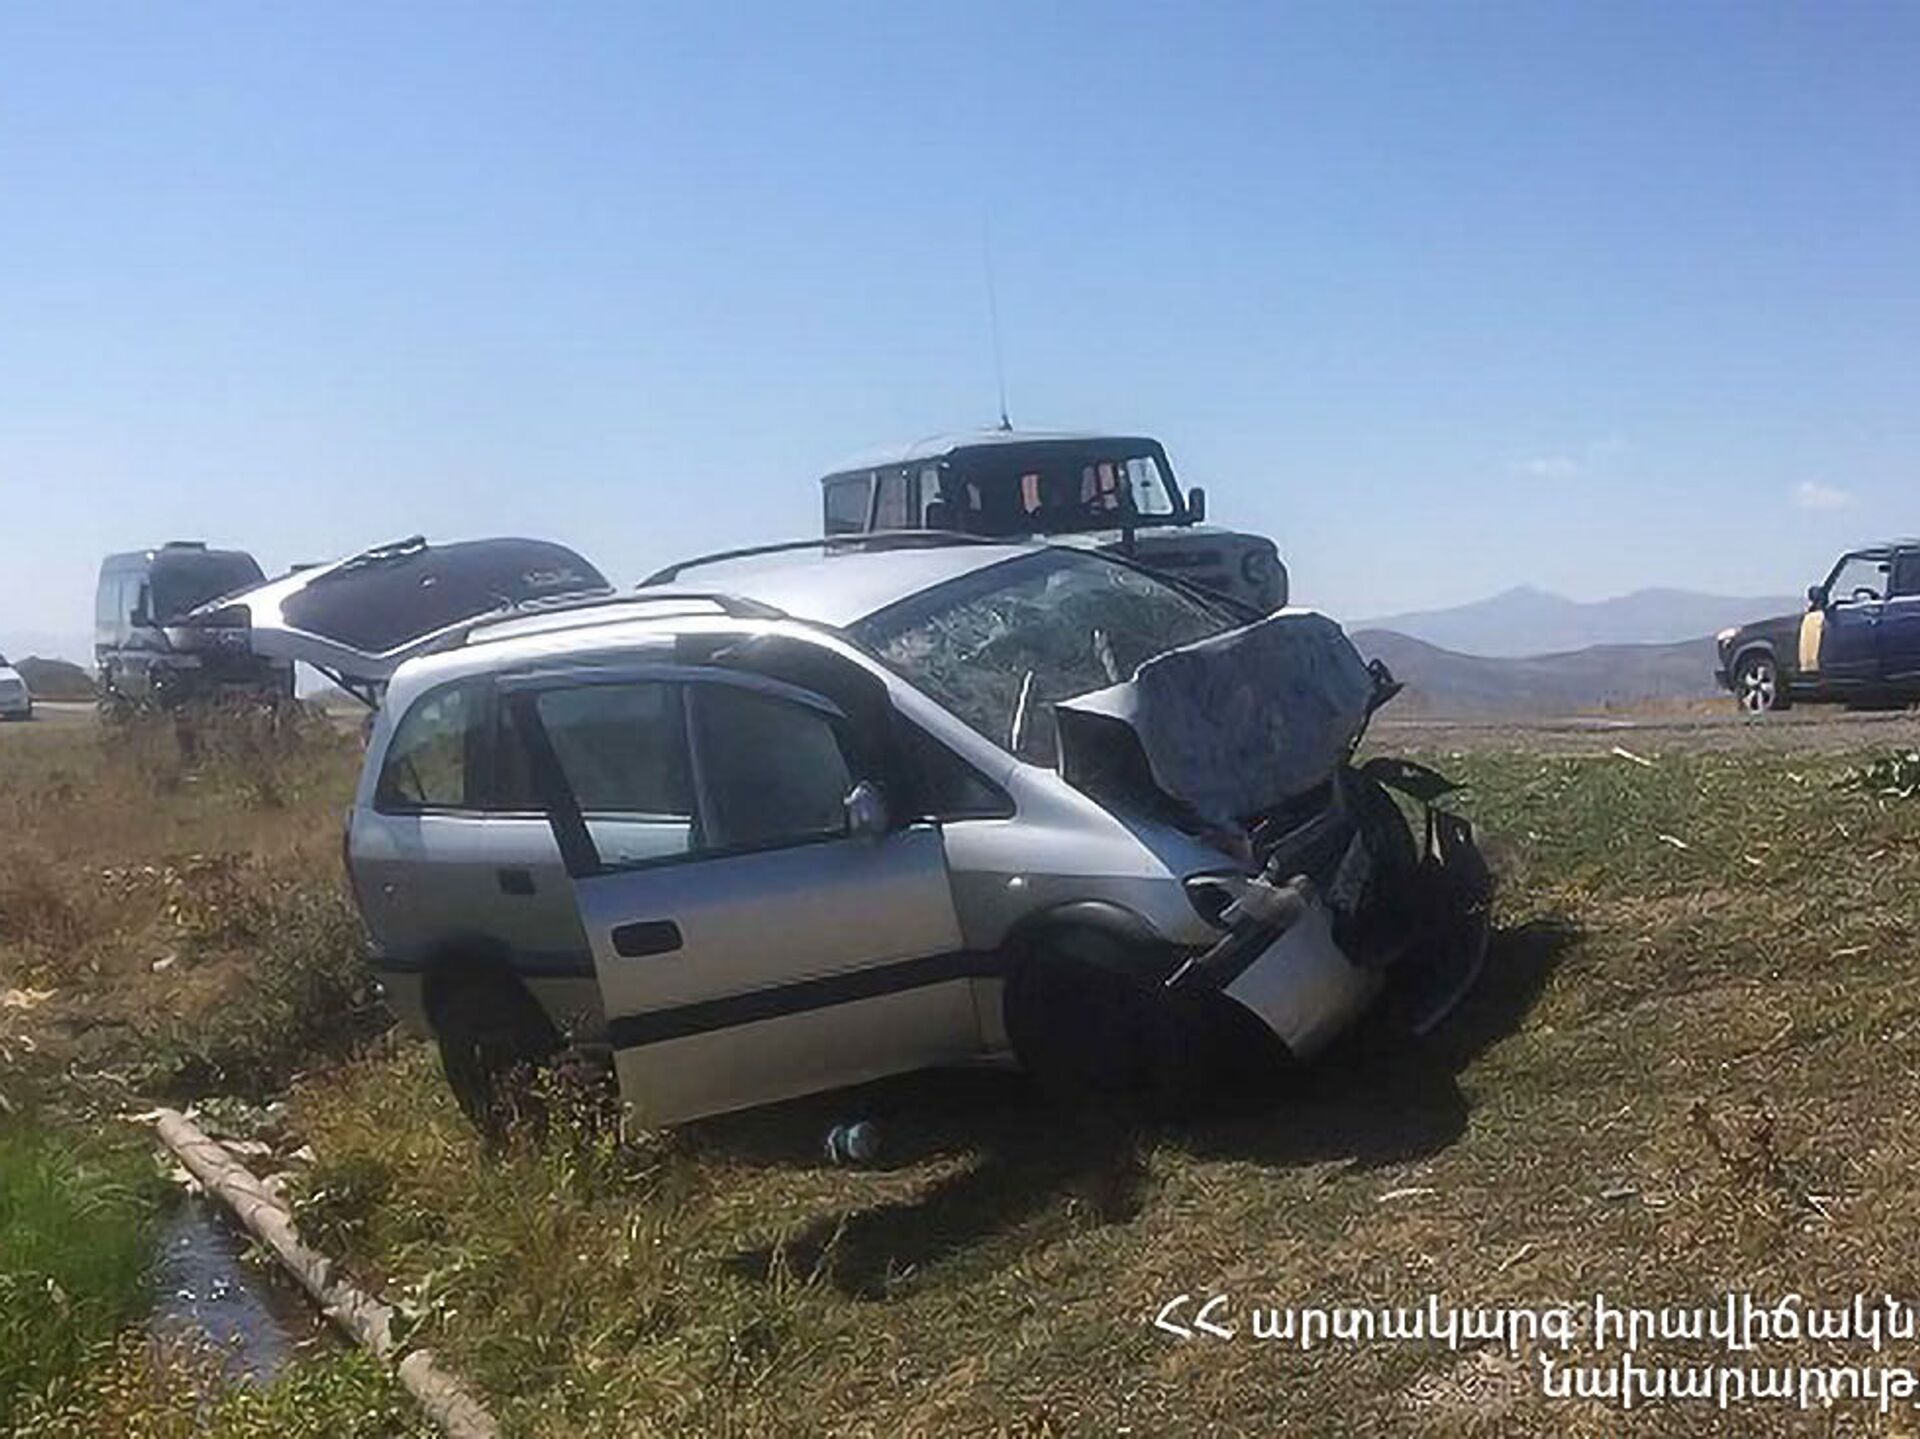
{"points": [[185, 582], [1054, 488], [999, 646]]}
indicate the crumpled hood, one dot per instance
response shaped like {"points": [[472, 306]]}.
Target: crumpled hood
{"points": [[1230, 726]]}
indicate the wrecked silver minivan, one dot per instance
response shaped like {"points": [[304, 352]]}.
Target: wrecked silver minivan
{"points": [[808, 817]]}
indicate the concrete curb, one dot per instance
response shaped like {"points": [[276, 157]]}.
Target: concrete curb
{"points": [[364, 1319]]}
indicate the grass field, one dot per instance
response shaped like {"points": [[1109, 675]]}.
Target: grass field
{"points": [[1690, 1068]]}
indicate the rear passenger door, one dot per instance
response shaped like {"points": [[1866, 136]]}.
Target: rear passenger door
{"points": [[457, 856], [749, 946], [1900, 622]]}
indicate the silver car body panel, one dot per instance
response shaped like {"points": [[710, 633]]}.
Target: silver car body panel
{"points": [[15, 700], [771, 990], [1303, 987]]}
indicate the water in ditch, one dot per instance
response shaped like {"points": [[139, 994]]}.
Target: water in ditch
{"points": [[205, 1286]]}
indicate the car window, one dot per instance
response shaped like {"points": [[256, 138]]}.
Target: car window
{"points": [[999, 646], [946, 786], [847, 504], [182, 582], [1906, 575], [772, 770], [434, 759], [892, 510], [1005, 490], [621, 747], [622, 750], [1860, 577]]}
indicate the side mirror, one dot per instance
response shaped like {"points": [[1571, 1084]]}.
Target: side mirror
{"points": [[938, 516], [1816, 597], [867, 816], [1197, 504]]}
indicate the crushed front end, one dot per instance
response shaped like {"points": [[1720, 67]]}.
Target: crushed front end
{"points": [[1249, 738]]}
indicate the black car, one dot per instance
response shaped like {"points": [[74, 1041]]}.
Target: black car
{"points": [[1859, 639]]}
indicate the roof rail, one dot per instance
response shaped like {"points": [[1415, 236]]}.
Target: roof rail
{"points": [[732, 606], [869, 541]]}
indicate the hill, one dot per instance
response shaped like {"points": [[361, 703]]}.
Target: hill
{"points": [[55, 679], [1599, 677], [1527, 621]]}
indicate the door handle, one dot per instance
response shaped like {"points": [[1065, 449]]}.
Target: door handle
{"points": [[643, 938], [515, 881]]}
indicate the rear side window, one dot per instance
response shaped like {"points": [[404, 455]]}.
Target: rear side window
{"points": [[894, 509], [436, 759], [1906, 575], [847, 497]]}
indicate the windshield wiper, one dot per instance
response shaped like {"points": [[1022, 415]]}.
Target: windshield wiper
{"points": [[1017, 730]]}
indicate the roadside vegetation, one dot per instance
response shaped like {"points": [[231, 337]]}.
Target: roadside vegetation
{"points": [[172, 926], [1690, 1067], [75, 1236]]}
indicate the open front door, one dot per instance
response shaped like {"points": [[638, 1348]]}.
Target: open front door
{"points": [[750, 945]]}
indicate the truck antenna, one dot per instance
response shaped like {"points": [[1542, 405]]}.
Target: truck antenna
{"points": [[993, 322]]}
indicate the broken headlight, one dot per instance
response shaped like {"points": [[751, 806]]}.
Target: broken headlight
{"points": [[1212, 894]]}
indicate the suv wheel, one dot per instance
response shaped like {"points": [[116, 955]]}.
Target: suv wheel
{"points": [[493, 1040], [1756, 684]]}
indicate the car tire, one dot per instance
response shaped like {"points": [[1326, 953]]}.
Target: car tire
{"points": [[1757, 685], [494, 1039], [1088, 1018]]}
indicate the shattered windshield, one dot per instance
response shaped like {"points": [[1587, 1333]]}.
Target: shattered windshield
{"points": [[998, 647]]}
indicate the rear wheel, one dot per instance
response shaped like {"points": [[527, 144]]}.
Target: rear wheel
{"points": [[1756, 684], [493, 1041]]}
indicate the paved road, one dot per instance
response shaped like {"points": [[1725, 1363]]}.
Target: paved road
{"points": [[63, 713]]}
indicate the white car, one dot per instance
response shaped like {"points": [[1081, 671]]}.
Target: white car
{"points": [[16, 700]]}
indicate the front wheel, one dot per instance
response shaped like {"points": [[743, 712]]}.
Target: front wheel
{"points": [[1092, 1022], [1757, 686]]}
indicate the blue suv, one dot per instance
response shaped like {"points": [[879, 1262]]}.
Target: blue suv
{"points": [[1859, 639]]}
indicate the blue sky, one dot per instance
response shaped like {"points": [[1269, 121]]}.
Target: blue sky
{"points": [[1444, 297]]}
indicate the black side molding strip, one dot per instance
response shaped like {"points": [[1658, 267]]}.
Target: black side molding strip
{"points": [[630, 1031]]}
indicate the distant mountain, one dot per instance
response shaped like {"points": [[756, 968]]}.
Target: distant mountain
{"points": [[74, 647], [1528, 621], [1440, 682], [54, 679]]}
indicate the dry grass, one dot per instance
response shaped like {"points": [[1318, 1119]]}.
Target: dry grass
{"points": [[171, 923], [1690, 1068], [172, 912]]}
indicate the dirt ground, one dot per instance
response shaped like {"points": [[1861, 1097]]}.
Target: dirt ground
{"points": [[1820, 729]]}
